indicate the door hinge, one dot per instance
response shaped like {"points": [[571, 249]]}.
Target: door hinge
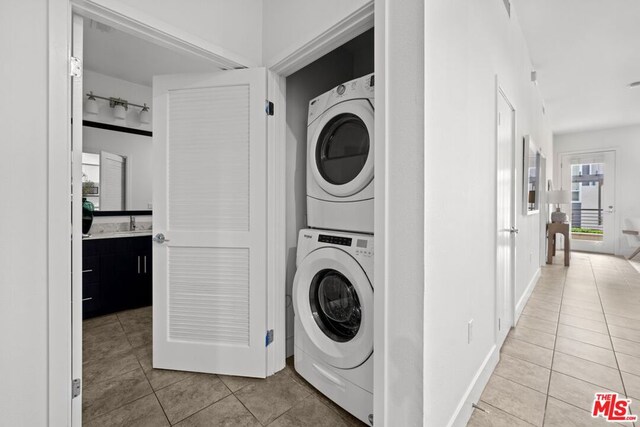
{"points": [[269, 338], [75, 67], [269, 108], [76, 387], [499, 324]]}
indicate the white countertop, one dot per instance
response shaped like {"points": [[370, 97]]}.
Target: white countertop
{"points": [[117, 234]]}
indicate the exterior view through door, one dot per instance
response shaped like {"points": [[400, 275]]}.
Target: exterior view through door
{"points": [[210, 223], [591, 179]]}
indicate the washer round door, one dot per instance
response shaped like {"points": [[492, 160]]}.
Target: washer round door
{"points": [[341, 153], [333, 300]]}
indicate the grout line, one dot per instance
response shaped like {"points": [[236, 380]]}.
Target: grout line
{"points": [[610, 338], [242, 403], [555, 339], [519, 383], [502, 410]]}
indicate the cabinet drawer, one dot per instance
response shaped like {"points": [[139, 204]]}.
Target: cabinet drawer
{"points": [[90, 269], [90, 297]]}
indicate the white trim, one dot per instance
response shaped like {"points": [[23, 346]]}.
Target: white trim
{"points": [[276, 237], [464, 410], [58, 213], [77, 38], [380, 279], [123, 17], [525, 296], [348, 28]]}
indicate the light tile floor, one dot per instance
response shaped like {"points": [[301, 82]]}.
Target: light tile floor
{"points": [[578, 334], [122, 389]]}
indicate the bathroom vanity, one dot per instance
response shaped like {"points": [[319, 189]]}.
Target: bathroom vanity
{"points": [[116, 272]]}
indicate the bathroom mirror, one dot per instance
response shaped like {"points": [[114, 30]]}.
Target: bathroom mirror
{"points": [[531, 177], [116, 168]]}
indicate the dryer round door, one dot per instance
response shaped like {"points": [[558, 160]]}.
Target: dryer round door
{"points": [[333, 300], [341, 153]]}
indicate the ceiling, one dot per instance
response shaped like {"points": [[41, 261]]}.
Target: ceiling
{"points": [[117, 54], [586, 53]]}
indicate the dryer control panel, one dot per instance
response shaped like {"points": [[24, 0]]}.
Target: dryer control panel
{"points": [[360, 88]]}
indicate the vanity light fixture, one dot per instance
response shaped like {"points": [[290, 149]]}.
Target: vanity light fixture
{"points": [[145, 115], [91, 107], [120, 107]]}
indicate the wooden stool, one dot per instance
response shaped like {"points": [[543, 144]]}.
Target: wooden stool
{"points": [[554, 228]]}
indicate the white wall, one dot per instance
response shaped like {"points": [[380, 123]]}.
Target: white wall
{"points": [[23, 216], [626, 143], [107, 87], [290, 24], [468, 43], [230, 28]]}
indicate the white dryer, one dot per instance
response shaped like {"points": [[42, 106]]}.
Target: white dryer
{"points": [[340, 150], [333, 306]]}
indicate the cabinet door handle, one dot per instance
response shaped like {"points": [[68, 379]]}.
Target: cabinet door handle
{"points": [[87, 271], [145, 264], [138, 264], [87, 299]]}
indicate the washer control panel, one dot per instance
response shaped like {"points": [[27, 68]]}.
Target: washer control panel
{"points": [[335, 240]]}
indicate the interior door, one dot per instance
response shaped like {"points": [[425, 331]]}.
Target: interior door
{"points": [[112, 182], [591, 179], [210, 222], [505, 217]]}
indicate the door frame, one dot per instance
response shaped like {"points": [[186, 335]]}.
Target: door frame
{"points": [[59, 210], [558, 163], [511, 308]]}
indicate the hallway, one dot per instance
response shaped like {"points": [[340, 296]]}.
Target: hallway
{"points": [[578, 334]]}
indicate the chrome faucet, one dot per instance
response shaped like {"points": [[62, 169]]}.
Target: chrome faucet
{"points": [[132, 223]]}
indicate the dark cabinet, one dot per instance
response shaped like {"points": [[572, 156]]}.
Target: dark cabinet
{"points": [[117, 274]]}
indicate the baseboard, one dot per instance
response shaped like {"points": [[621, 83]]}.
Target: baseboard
{"points": [[464, 410], [525, 297]]}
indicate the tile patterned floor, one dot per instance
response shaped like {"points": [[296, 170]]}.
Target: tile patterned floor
{"points": [[578, 334], [122, 389]]}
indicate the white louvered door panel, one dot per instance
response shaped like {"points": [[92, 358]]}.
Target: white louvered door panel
{"points": [[210, 183]]}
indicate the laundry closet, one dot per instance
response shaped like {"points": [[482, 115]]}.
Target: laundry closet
{"points": [[329, 223]]}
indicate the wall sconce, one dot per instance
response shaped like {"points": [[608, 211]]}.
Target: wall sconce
{"points": [[120, 107], [91, 107], [145, 115]]}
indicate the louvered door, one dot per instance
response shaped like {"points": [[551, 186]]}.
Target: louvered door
{"points": [[210, 183]]}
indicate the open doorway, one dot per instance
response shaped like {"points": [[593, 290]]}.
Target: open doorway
{"points": [[117, 333]]}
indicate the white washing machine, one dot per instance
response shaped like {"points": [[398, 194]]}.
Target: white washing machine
{"points": [[333, 306], [340, 158]]}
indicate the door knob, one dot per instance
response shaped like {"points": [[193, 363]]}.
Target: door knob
{"points": [[514, 230], [159, 238]]}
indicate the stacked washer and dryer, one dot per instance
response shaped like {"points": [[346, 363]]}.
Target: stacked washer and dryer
{"points": [[333, 285]]}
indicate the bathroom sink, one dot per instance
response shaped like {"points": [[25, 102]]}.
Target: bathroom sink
{"points": [[133, 232]]}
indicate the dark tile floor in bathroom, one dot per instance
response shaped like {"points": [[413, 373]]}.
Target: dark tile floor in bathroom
{"points": [[122, 389]]}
